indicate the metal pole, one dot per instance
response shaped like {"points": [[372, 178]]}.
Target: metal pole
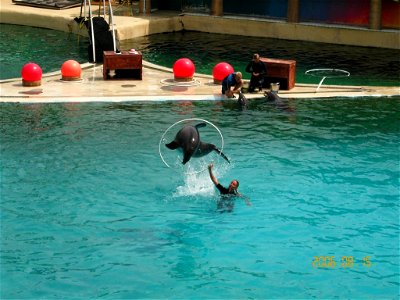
{"points": [[84, 10], [92, 31], [144, 6], [112, 25]]}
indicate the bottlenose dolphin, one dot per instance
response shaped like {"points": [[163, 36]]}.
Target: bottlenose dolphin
{"points": [[188, 139], [273, 98], [242, 100]]}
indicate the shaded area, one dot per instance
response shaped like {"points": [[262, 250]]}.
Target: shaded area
{"points": [[47, 48], [367, 66]]}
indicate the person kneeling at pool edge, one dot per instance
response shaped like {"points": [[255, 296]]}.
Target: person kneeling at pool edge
{"points": [[232, 84]]}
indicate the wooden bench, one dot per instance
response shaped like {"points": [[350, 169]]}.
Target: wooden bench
{"points": [[125, 64], [280, 70]]}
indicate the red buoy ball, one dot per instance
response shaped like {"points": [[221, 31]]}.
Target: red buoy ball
{"points": [[31, 75], [220, 71], [71, 70], [183, 69]]}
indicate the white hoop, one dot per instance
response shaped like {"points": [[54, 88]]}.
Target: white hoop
{"points": [[187, 120], [342, 73]]}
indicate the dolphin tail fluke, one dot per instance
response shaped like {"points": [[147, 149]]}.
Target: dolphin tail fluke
{"points": [[173, 145], [222, 154], [202, 124]]}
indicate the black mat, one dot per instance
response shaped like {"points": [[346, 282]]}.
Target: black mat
{"points": [[52, 4]]}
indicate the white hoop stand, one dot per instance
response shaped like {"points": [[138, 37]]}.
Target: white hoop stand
{"points": [[339, 73], [187, 120], [172, 82]]}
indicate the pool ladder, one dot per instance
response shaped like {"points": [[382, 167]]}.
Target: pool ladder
{"points": [[86, 3]]}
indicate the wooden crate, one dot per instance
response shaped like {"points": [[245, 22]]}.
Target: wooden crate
{"points": [[126, 65], [280, 70]]}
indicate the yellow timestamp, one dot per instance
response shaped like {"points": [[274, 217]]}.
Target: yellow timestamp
{"points": [[329, 262]]}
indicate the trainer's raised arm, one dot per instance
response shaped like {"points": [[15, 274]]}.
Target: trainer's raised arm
{"points": [[212, 177]]}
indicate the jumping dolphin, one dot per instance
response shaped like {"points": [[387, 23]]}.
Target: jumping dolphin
{"points": [[188, 139]]}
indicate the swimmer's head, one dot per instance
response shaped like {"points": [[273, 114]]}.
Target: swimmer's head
{"points": [[233, 186]]}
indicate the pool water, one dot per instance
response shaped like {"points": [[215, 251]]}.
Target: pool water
{"points": [[89, 210], [367, 66], [47, 48]]}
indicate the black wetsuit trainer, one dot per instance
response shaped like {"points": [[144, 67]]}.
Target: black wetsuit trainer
{"points": [[256, 81], [224, 191], [227, 201]]}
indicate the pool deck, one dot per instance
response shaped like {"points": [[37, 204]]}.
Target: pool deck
{"points": [[157, 83]]}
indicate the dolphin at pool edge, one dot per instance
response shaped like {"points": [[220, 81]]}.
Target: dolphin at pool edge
{"points": [[272, 97], [188, 139], [242, 100]]}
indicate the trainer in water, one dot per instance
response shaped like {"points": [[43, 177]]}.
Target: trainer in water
{"points": [[188, 140], [226, 203], [233, 186]]}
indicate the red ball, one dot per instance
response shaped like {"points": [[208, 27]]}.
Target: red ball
{"points": [[31, 72], [71, 69], [221, 70], [183, 68]]}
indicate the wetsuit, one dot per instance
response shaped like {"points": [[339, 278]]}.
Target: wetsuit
{"points": [[228, 82], [226, 203], [223, 190], [256, 81]]}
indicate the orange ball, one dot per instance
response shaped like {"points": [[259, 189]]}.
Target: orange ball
{"points": [[71, 70]]}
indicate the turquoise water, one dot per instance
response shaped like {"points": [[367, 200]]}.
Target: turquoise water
{"points": [[89, 210]]}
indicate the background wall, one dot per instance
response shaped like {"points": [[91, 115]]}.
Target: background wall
{"points": [[341, 12], [391, 14], [269, 8]]}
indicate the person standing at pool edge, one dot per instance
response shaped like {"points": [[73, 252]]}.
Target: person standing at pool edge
{"points": [[232, 80]]}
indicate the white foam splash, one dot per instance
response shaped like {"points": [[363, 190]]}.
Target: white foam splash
{"points": [[199, 184]]}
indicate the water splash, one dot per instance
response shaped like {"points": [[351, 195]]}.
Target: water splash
{"points": [[199, 184]]}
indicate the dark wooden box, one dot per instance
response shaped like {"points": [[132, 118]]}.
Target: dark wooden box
{"points": [[280, 70], [126, 65]]}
